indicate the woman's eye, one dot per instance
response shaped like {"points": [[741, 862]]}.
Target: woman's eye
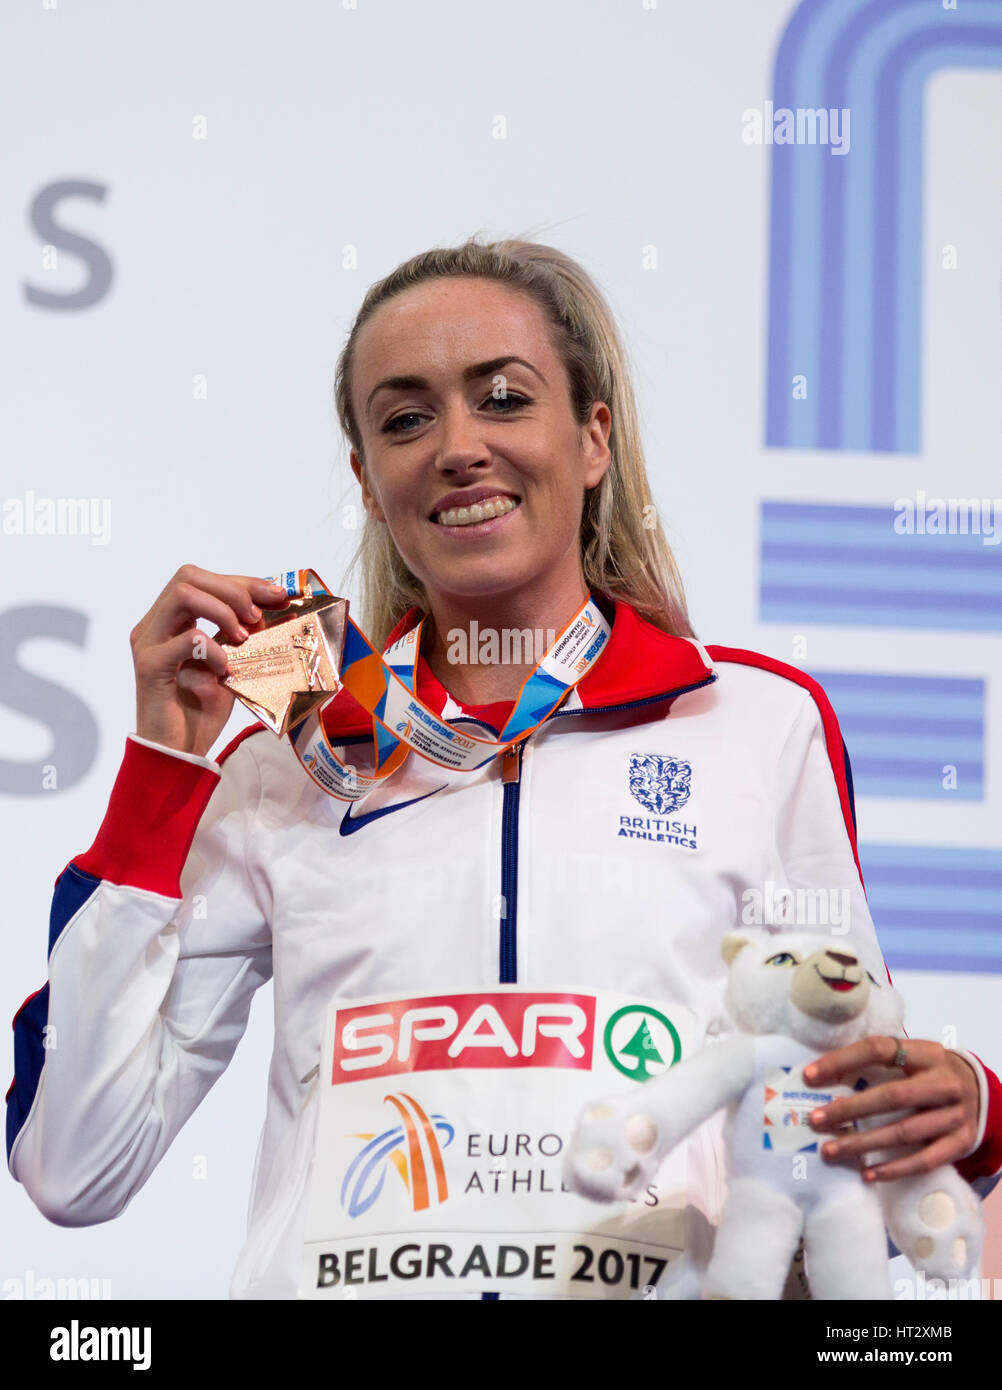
{"points": [[511, 399], [391, 425]]}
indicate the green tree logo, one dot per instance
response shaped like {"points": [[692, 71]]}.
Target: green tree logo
{"points": [[654, 1042], [641, 1046]]}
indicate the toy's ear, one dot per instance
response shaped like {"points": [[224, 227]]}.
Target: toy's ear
{"points": [[731, 945]]}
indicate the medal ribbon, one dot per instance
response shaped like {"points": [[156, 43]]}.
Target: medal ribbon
{"points": [[384, 685]]}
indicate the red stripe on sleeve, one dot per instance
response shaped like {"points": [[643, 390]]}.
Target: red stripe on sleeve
{"points": [[986, 1161], [153, 812]]}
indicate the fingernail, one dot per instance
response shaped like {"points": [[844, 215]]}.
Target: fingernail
{"points": [[242, 633], [817, 1117], [811, 1072], [255, 612], [829, 1150]]}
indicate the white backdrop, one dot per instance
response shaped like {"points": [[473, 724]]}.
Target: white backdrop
{"points": [[239, 174]]}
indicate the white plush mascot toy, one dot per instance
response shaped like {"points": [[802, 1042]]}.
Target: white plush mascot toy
{"points": [[793, 996]]}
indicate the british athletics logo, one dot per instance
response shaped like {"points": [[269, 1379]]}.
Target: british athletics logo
{"points": [[660, 784], [463, 1030]]}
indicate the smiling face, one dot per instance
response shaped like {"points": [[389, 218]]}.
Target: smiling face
{"points": [[449, 421]]}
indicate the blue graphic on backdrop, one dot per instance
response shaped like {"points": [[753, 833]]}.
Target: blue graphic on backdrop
{"points": [[845, 239], [848, 565], [936, 907], [911, 736]]}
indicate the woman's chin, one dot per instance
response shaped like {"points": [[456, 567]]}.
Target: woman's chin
{"points": [[469, 582]]}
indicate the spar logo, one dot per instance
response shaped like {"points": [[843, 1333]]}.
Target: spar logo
{"points": [[497, 1030], [641, 1042], [413, 1148]]}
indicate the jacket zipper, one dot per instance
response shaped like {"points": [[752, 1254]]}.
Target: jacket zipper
{"points": [[511, 774]]}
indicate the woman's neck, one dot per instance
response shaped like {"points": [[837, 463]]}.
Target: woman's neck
{"points": [[482, 650]]}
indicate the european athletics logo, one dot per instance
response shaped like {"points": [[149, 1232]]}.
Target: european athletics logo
{"points": [[419, 1135]]}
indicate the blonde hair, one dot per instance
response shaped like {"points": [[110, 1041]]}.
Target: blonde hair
{"points": [[624, 552]]}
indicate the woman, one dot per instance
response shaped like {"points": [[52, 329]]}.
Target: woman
{"points": [[609, 849]]}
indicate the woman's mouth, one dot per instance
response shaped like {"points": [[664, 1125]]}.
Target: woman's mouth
{"points": [[487, 510]]}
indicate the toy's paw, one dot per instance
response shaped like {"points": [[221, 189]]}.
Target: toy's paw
{"points": [[935, 1219], [614, 1150]]}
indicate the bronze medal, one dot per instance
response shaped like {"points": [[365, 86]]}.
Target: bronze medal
{"points": [[292, 665]]}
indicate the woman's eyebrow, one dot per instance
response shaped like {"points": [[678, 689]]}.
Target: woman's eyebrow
{"points": [[478, 369]]}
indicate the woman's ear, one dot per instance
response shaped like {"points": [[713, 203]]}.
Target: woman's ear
{"points": [[595, 444], [369, 502]]}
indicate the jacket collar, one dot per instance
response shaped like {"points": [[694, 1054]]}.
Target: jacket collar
{"points": [[640, 663]]}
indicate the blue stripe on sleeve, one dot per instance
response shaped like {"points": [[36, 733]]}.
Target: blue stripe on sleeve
{"points": [[73, 888]]}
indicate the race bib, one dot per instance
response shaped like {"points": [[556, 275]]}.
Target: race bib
{"points": [[442, 1125]]}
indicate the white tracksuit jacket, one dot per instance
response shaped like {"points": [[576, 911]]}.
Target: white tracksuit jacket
{"points": [[207, 878]]}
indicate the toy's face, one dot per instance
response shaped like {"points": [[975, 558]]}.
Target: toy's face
{"points": [[830, 984], [779, 978]]}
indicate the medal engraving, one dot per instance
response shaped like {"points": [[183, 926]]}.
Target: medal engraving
{"points": [[284, 671]]}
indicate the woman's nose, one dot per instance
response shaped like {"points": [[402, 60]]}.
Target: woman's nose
{"points": [[461, 443]]}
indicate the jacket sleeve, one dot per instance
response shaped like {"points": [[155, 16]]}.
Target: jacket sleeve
{"points": [[157, 943], [816, 833]]}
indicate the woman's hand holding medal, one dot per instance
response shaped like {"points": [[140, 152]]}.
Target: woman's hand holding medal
{"points": [[181, 701]]}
